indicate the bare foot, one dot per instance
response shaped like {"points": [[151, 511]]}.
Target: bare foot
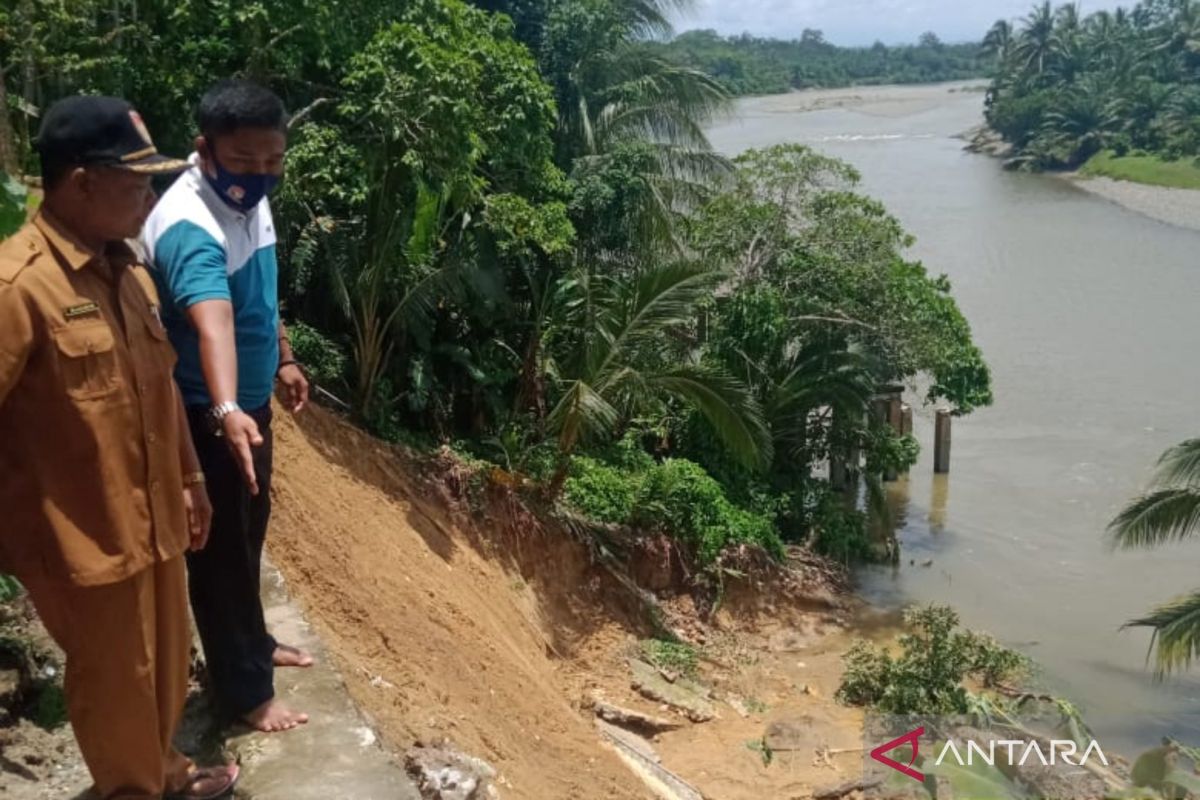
{"points": [[274, 717], [288, 656], [207, 783]]}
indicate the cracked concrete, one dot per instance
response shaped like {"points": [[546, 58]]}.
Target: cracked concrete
{"points": [[337, 754]]}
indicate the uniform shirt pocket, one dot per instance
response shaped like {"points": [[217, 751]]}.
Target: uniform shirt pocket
{"points": [[88, 360]]}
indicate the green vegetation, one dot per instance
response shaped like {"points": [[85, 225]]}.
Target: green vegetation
{"points": [[1169, 511], [1069, 87], [927, 677], [748, 65], [671, 656], [13, 206], [928, 674], [1152, 170], [502, 227], [9, 588]]}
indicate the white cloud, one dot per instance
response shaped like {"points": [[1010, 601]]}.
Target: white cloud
{"points": [[857, 22]]}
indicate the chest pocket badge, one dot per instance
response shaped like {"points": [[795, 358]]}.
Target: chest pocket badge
{"points": [[88, 360]]}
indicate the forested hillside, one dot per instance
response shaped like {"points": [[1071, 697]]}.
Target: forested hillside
{"points": [[503, 228], [747, 64]]}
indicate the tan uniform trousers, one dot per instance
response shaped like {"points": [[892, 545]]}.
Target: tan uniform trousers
{"points": [[127, 647]]}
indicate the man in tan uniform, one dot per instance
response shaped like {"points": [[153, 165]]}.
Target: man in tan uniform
{"points": [[102, 492]]}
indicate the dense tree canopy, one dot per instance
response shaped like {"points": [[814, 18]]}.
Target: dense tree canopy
{"points": [[750, 65], [502, 226], [1068, 87]]}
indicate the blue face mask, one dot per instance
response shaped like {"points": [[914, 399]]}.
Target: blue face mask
{"points": [[242, 192]]}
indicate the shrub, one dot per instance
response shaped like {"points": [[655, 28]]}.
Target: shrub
{"points": [[888, 451], [679, 497], [840, 529], [927, 677], [320, 355], [602, 492]]}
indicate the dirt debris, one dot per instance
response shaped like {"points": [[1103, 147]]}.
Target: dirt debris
{"points": [[487, 631]]}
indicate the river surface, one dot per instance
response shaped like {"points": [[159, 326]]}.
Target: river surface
{"points": [[1088, 316]]}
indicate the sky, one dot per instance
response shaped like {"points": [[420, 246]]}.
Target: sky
{"points": [[862, 22]]}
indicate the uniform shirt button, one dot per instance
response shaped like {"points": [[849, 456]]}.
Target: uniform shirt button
{"points": [[151, 437], [154, 486]]}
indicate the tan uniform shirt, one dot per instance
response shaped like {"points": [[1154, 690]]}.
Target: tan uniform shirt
{"points": [[91, 487]]}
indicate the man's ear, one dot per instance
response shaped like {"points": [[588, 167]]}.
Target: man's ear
{"points": [[79, 180], [206, 156]]}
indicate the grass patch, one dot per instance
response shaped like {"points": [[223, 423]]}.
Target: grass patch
{"points": [[1150, 170], [672, 656]]}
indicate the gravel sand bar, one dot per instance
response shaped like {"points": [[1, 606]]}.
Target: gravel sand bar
{"points": [[880, 101], [1179, 207]]}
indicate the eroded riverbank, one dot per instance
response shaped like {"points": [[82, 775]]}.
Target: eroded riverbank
{"points": [[1078, 305]]}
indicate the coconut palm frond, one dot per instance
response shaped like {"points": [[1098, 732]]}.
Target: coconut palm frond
{"points": [[1161, 516], [729, 407], [1180, 465], [1176, 633], [581, 413]]}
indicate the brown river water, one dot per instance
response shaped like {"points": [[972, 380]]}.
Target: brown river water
{"points": [[1088, 315]]}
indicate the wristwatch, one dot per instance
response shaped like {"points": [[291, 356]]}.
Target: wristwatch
{"points": [[217, 415]]}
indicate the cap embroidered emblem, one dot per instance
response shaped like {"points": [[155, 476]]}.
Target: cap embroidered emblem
{"points": [[140, 127]]}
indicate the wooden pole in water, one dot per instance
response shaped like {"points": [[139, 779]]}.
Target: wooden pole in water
{"points": [[941, 442]]}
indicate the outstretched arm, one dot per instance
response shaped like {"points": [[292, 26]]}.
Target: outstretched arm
{"points": [[213, 321]]}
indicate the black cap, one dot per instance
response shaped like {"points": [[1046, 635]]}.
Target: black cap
{"points": [[87, 130]]}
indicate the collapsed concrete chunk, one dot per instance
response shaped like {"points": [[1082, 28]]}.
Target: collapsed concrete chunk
{"points": [[628, 718], [687, 696], [442, 774]]}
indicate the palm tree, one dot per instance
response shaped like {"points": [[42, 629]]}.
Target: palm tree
{"points": [[1036, 43], [1067, 19], [998, 43], [1079, 127], [1169, 511], [824, 378], [1181, 119], [1182, 34], [618, 360]]}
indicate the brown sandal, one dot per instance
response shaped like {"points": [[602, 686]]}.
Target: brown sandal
{"points": [[208, 783]]}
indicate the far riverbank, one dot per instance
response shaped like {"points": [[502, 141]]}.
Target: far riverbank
{"points": [[1116, 180], [1180, 207]]}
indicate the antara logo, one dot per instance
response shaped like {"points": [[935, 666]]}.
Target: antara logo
{"points": [[912, 738], [1019, 752]]}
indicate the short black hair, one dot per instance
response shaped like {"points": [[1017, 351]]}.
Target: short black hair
{"points": [[234, 104]]}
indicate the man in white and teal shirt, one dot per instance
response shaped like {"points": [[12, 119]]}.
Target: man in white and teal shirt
{"points": [[211, 240]]}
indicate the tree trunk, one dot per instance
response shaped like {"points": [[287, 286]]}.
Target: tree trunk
{"points": [[561, 472], [8, 139], [531, 394]]}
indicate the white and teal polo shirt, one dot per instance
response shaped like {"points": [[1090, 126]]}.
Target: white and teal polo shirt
{"points": [[202, 249]]}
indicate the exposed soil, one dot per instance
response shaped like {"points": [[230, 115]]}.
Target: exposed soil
{"points": [[36, 762], [490, 631]]}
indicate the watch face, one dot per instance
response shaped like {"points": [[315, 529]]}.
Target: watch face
{"points": [[214, 423]]}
